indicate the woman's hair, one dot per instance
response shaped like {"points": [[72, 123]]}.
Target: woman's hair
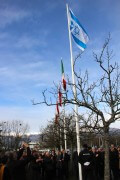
{"points": [[3, 158], [11, 155]]}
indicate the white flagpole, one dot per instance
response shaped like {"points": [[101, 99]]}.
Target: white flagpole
{"points": [[75, 95], [65, 136], [60, 136]]}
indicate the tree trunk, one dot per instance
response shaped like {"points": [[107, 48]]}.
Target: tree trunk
{"points": [[106, 158]]}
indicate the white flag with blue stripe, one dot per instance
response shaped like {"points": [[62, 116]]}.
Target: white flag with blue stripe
{"points": [[78, 33]]}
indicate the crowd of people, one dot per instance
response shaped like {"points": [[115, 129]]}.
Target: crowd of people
{"points": [[33, 165], [27, 164], [92, 162]]}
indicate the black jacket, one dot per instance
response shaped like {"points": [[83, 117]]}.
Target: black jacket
{"points": [[114, 159], [17, 167], [86, 159]]}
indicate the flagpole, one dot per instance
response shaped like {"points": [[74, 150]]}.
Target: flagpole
{"points": [[75, 95], [65, 137]]}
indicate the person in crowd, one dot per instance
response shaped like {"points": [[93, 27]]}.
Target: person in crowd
{"points": [[17, 162], [59, 166], [4, 172], [100, 162], [48, 166], [33, 168], [96, 163], [75, 163], [65, 157], [54, 158], [86, 159], [42, 165], [119, 159], [114, 162]]}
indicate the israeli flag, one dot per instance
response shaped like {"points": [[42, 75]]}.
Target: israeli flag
{"points": [[78, 33]]}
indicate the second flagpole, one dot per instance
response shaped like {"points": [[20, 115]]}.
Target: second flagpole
{"points": [[75, 95]]}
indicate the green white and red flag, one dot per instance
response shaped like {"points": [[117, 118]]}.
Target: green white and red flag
{"points": [[63, 76], [60, 97], [57, 113]]}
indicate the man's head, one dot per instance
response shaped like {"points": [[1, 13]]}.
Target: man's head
{"points": [[47, 154], [63, 151], [112, 147], [85, 146], [12, 155], [35, 153]]}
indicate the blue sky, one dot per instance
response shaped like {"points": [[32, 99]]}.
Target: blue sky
{"points": [[34, 37]]}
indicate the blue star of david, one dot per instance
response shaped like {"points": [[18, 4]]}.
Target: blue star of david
{"points": [[76, 30]]}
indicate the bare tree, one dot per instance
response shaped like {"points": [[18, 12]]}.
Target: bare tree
{"points": [[50, 136], [53, 135], [13, 132]]}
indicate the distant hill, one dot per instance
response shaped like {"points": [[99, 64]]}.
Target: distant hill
{"points": [[114, 131], [37, 137]]}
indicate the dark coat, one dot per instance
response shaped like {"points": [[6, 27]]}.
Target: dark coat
{"points": [[17, 167], [86, 156], [33, 170], [114, 163], [114, 159], [86, 159], [75, 158], [65, 164], [48, 164], [65, 157]]}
